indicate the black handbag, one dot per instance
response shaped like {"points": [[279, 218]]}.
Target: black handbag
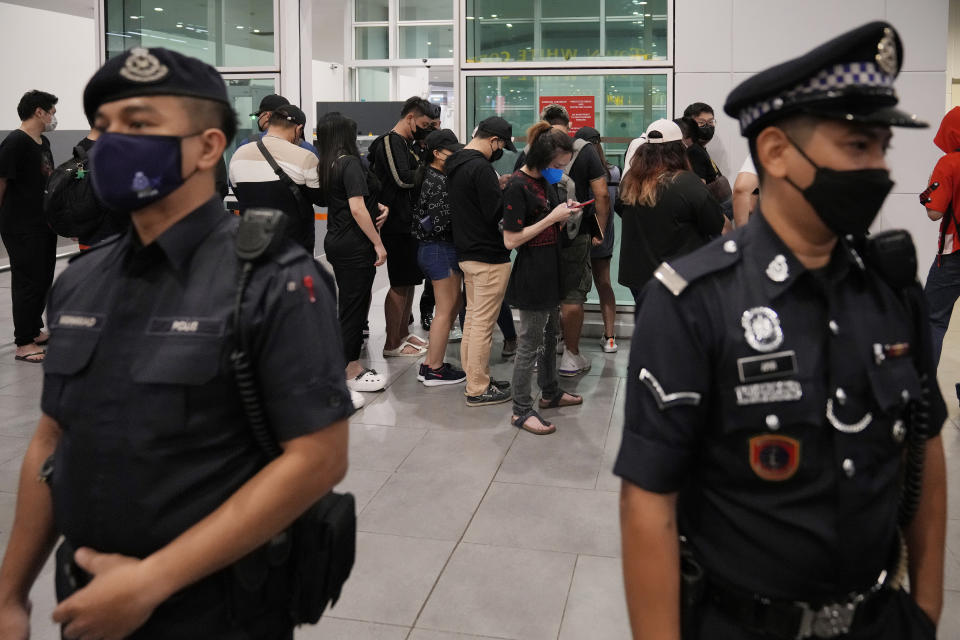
{"points": [[319, 548]]}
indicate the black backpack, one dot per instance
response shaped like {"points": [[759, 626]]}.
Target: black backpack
{"points": [[70, 207]]}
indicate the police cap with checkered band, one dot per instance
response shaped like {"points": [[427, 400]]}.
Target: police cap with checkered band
{"points": [[848, 78]]}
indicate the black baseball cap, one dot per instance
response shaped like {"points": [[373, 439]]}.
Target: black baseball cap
{"points": [[290, 112], [847, 78], [587, 133], [270, 103], [442, 139], [500, 128], [152, 72]]}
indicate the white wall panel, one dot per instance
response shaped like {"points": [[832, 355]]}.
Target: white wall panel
{"points": [[703, 35], [769, 31], [62, 59], [922, 24], [913, 153]]}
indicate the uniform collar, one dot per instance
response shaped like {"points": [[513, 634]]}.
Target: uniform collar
{"points": [[778, 269], [179, 242]]}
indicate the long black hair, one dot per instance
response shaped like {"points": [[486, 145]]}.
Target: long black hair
{"points": [[545, 143], [336, 136]]}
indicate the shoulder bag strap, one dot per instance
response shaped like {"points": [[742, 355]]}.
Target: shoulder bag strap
{"points": [[284, 178], [393, 164]]}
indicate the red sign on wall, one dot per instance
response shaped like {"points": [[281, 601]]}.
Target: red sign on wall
{"points": [[579, 108]]}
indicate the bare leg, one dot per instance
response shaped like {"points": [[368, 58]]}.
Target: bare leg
{"points": [[396, 313], [571, 316], [354, 369], [608, 302], [448, 302]]}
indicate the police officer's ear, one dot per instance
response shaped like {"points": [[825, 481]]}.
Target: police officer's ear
{"points": [[773, 151], [211, 144]]}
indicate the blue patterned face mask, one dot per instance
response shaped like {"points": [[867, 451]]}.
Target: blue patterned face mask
{"points": [[129, 172], [551, 175]]}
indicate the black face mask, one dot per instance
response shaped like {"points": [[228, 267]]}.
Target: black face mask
{"points": [[706, 133], [496, 155], [846, 201], [419, 133]]}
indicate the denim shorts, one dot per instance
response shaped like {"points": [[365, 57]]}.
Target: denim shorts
{"points": [[437, 259]]}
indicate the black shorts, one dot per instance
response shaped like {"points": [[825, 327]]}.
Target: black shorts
{"points": [[402, 266]]}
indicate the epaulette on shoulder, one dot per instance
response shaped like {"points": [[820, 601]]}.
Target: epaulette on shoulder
{"points": [[106, 242], [716, 256]]}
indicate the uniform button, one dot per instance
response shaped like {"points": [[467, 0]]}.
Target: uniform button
{"points": [[899, 431], [730, 246], [905, 395], [841, 395], [849, 468], [773, 422], [834, 327]]}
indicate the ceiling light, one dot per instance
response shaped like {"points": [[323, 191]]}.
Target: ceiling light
{"points": [[179, 25], [256, 30], [509, 26], [134, 17], [158, 9], [429, 43], [493, 15], [239, 26], [646, 15]]}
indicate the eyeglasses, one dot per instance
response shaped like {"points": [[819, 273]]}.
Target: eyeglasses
{"points": [[706, 123]]}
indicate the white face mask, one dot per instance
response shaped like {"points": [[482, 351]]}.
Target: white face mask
{"points": [[52, 125]]}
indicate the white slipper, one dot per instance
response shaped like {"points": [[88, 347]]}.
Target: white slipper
{"points": [[369, 380], [399, 352], [418, 340]]}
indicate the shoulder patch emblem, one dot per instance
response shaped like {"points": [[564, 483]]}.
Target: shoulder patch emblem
{"points": [[774, 457], [761, 328], [669, 278], [667, 400]]}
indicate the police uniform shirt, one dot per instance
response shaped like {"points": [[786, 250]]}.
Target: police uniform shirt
{"points": [[772, 398], [138, 375]]}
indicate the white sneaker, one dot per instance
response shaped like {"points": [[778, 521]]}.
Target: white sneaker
{"points": [[356, 399], [609, 344], [561, 346], [456, 334], [572, 365], [369, 380]]}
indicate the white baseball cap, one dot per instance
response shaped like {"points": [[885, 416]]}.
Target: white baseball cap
{"points": [[663, 131]]}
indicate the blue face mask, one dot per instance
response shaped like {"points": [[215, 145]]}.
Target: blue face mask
{"points": [[551, 175], [129, 172]]}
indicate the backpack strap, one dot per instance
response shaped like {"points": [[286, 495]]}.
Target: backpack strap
{"points": [[392, 164], [281, 174]]}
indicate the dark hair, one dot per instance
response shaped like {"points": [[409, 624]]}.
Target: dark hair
{"points": [[696, 109], [653, 165], [212, 114], [688, 127], [545, 143], [603, 158], [420, 107], [33, 100], [280, 117], [336, 136], [555, 114]]}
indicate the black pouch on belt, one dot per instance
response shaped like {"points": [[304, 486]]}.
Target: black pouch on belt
{"points": [[692, 589], [70, 578]]}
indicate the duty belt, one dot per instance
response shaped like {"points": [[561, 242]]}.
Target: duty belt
{"points": [[799, 620]]}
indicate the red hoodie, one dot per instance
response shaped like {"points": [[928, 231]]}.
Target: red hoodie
{"points": [[946, 198]]}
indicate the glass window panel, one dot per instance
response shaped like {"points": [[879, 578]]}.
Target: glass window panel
{"points": [[426, 9], [371, 43], [499, 9], [570, 8], [373, 84], [245, 95], [234, 33], [426, 42], [644, 38], [372, 10], [570, 40], [623, 8], [503, 41]]}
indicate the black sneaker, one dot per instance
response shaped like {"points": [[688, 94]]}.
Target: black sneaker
{"points": [[446, 374], [501, 384], [493, 395]]}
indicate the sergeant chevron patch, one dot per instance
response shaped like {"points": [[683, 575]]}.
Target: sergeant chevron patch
{"points": [[666, 400]]}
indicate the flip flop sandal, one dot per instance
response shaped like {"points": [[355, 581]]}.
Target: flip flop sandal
{"points": [[557, 401], [415, 337], [399, 353], [27, 358], [521, 423], [367, 381]]}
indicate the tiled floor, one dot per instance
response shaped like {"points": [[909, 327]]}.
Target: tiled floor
{"points": [[469, 528]]}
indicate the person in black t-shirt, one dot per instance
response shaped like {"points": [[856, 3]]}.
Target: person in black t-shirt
{"points": [[111, 222], [667, 211], [532, 224], [353, 245], [25, 164]]}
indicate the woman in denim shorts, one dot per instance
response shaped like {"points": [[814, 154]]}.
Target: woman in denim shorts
{"points": [[438, 258]]}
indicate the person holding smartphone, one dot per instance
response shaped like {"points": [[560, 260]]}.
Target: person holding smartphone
{"points": [[532, 221]]}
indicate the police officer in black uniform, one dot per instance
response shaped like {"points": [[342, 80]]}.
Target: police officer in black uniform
{"points": [[157, 481], [776, 376]]}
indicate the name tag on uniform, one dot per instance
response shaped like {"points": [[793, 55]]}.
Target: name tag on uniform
{"points": [[763, 392], [186, 326], [767, 367], [73, 320]]}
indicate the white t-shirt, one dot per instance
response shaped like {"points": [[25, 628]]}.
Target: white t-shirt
{"points": [[748, 166]]}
